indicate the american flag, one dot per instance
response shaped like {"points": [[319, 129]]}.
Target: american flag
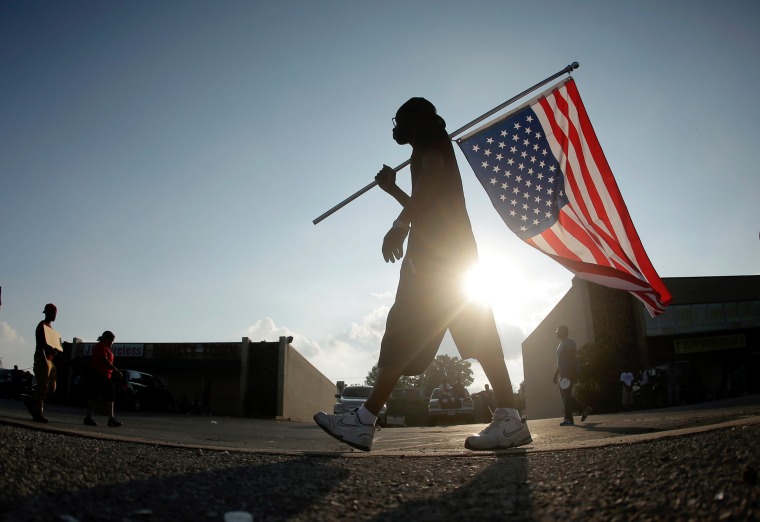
{"points": [[547, 176]]}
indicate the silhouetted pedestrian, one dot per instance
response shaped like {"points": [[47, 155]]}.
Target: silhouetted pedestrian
{"points": [[567, 374], [100, 385], [430, 300], [48, 342]]}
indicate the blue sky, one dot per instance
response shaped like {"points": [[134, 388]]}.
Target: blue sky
{"points": [[162, 162]]}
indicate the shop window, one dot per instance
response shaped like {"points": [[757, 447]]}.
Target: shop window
{"points": [[717, 316], [733, 315], [684, 318], [701, 321]]}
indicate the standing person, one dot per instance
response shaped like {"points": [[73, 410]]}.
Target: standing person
{"points": [[567, 373], [644, 387], [100, 383], [627, 379], [430, 298], [44, 369]]}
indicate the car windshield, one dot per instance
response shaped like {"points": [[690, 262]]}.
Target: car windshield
{"points": [[357, 391]]}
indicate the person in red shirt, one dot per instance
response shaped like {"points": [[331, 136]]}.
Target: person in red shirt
{"points": [[100, 383]]}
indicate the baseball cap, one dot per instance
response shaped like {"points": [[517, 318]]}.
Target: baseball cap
{"points": [[50, 307]]}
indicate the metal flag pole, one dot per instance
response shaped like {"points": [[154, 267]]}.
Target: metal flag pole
{"points": [[567, 70]]}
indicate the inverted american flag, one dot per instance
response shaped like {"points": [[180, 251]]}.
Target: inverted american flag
{"points": [[547, 176]]}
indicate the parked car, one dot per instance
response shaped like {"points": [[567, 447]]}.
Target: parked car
{"points": [[352, 397], [14, 386], [447, 407], [142, 391]]}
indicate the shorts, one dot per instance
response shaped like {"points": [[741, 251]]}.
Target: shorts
{"points": [[99, 386], [426, 307]]}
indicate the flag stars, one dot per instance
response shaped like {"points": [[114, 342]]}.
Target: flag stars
{"points": [[503, 197], [504, 133], [538, 135], [489, 141], [496, 169], [493, 181], [526, 142], [484, 164], [521, 166], [540, 176], [529, 119], [499, 157], [502, 144], [517, 125], [487, 152], [515, 137], [527, 130], [513, 150], [475, 148], [504, 186]]}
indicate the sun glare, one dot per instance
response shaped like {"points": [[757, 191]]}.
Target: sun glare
{"points": [[496, 285]]}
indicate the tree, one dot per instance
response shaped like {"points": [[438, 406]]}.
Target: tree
{"points": [[442, 367], [599, 382], [404, 382]]}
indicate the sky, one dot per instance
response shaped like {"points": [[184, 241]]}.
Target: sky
{"points": [[161, 162]]}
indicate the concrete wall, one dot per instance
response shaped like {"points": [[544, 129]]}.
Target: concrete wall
{"points": [[302, 389]]}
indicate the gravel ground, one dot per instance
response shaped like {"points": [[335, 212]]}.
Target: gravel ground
{"points": [[708, 476]]}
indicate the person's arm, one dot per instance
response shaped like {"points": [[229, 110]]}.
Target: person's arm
{"points": [[425, 188]]}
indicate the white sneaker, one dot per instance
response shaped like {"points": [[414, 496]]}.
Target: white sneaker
{"points": [[348, 429], [503, 432]]}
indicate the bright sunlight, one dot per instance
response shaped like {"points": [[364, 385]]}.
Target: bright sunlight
{"points": [[498, 285]]}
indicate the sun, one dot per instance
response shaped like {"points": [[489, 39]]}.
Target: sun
{"points": [[497, 285]]}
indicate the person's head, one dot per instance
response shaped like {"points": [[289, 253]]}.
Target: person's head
{"points": [[562, 332], [15, 366], [487, 387], [50, 311], [417, 122], [108, 337]]}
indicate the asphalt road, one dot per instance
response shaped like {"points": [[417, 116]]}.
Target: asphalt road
{"points": [[688, 463], [243, 434]]}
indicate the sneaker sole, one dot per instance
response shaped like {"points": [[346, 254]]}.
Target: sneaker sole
{"points": [[338, 437], [516, 445]]}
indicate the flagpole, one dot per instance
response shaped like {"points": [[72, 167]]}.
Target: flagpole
{"points": [[567, 70]]}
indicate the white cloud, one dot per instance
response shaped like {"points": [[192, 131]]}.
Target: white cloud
{"points": [[14, 348]]}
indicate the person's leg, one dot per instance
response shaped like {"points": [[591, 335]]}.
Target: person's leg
{"points": [[567, 402], [42, 368], [387, 378], [496, 371]]}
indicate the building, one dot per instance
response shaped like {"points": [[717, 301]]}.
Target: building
{"points": [[712, 325], [246, 378]]}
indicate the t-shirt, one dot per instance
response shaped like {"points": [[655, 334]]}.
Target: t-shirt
{"points": [[41, 342], [567, 362], [626, 378], [100, 353], [441, 237]]}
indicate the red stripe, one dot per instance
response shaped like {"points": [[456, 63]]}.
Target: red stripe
{"points": [[579, 131]]}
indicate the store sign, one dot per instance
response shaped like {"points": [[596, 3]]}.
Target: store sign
{"points": [[710, 344], [118, 349]]}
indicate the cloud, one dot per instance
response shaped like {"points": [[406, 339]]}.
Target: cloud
{"points": [[14, 348], [346, 356], [371, 328]]}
